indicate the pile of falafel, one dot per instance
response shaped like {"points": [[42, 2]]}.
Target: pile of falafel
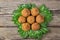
{"points": [[30, 19]]}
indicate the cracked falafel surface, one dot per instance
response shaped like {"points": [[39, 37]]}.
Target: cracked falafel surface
{"points": [[30, 19], [21, 19], [34, 11], [25, 26], [25, 12]]}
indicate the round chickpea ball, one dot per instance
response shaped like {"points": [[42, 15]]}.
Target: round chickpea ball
{"points": [[34, 11], [35, 26], [25, 26], [30, 19], [25, 12], [21, 19], [39, 19]]}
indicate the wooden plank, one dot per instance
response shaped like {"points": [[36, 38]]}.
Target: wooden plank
{"points": [[25, 0], [7, 6], [35, 0], [12, 34], [6, 20], [3, 0]]}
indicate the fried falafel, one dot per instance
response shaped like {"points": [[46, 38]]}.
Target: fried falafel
{"points": [[25, 12], [35, 26], [25, 26], [21, 19], [39, 19], [30, 19], [34, 11]]}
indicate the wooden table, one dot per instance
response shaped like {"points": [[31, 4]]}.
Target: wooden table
{"points": [[8, 30]]}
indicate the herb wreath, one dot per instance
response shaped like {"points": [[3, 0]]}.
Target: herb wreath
{"points": [[32, 34]]}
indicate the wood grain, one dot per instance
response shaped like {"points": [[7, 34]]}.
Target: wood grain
{"points": [[12, 34], [7, 7], [25, 0]]}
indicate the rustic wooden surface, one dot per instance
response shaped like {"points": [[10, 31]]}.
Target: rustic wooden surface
{"points": [[8, 30]]}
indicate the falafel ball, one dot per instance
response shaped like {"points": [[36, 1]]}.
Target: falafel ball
{"points": [[35, 26], [21, 19], [39, 19], [25, 26], [30, 19], [25, 12], [34, 11]]}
